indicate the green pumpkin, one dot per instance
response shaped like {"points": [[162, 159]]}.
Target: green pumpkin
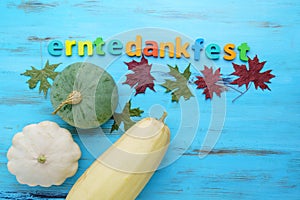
{"points": [[84, 95]]}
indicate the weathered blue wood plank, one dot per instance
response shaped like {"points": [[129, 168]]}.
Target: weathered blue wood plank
{"points": [[257, 156]]}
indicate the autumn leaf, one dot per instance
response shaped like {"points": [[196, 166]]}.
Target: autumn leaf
{"points": [[178, 87], [41, 76], [124, 117], [141, 78], [210, 82], [252, 74]]}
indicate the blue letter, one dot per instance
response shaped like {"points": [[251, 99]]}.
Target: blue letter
{"points": [[212, 51], [115, 47], [55, 47], [197, 47]]}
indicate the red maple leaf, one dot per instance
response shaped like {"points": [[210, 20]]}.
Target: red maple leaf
{"points": [[252, 75], [141, 79], [210, 82]]}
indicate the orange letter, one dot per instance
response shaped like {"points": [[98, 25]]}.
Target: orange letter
{"points": [[229, 49], [138, 47], [181, 49], [151, 50], [163, 46]]}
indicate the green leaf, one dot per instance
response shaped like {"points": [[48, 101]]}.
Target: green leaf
{"points": [[124, 117], [134, 112], [179, 87], [41, 76]]}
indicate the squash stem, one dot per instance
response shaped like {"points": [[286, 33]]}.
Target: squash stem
{"points": [[42, 159], [163, 117], [73, 98]]}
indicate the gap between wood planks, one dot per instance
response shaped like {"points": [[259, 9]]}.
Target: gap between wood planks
{"points": [[196, 152]]}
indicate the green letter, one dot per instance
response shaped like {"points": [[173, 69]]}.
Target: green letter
{"points": [[99, 43], [243, 48]]}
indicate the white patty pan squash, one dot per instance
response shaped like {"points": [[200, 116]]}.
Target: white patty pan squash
{"points": [[43, 154]]}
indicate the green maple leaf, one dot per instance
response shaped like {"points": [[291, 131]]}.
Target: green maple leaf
{"points": [[124, 117], [179, 87], [41, 76]]}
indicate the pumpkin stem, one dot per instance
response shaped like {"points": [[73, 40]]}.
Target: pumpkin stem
{"points": [[73, 98], [42, 159], [163, 117]]}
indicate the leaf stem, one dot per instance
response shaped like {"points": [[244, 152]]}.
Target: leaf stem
{"points": [[73, 98], [241, 94], [234, 89], [41, 52]]}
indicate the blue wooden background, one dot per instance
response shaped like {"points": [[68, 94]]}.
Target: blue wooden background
{"points": [[257, 155]]}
